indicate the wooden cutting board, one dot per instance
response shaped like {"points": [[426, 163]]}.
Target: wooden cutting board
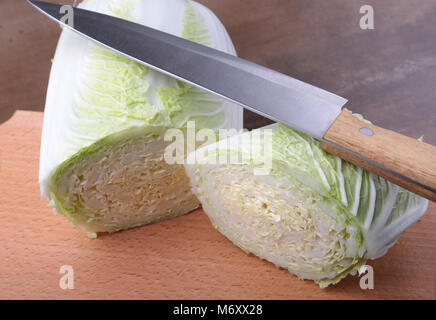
{"points": [[183, 258]]}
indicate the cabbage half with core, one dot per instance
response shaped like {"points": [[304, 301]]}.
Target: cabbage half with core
{"points": [[314, 214], [102, 163]]}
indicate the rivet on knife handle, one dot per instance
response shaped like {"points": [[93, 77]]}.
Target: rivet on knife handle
{"points": [[402, 160]]}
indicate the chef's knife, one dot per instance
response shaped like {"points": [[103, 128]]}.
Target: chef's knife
{"points": [[400, 159]]}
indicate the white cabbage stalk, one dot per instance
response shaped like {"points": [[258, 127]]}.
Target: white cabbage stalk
{"points": [[314, 214], [101, 161]]}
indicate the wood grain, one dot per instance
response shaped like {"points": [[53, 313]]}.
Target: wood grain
{"points": [[411, 158], [183, 258]]}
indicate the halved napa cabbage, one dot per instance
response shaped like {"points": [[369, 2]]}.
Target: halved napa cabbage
{"points": [[102, 163], [312, 213]]}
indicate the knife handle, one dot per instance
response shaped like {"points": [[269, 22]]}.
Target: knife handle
{"points": [[407, 162]]}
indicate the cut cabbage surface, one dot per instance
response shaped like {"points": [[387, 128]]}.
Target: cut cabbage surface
{"points": [[102, 163], [314, 214]]}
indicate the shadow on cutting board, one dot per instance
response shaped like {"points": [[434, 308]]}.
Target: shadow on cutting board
{"points": [[8, 112]]}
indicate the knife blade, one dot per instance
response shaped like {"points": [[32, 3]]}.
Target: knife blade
{"points": [[269, 93], [237, 80]]}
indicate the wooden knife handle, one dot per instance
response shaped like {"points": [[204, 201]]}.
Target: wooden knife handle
{"points": [[410, 158]]}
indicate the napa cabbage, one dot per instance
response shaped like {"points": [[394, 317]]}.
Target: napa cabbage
{"points": [[310, 212], [101, 162]]}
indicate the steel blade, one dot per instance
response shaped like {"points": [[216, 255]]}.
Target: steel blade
{"points": [[267, 92]]}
